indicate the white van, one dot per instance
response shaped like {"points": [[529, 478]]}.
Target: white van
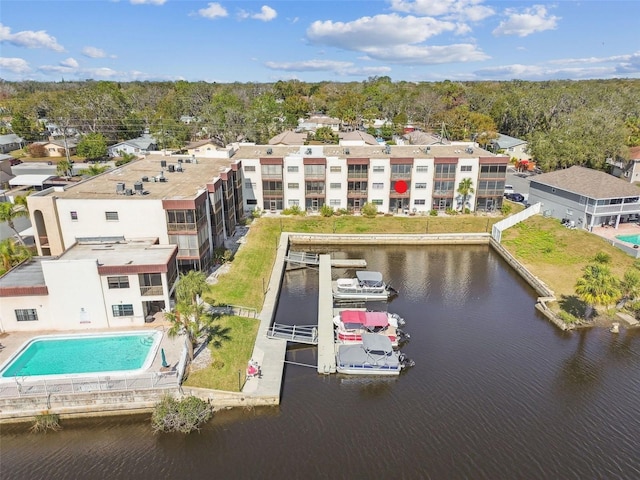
{"points": [[508, 189]]}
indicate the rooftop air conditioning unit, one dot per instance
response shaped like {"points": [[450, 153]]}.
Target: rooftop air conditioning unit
{"points": [[308, 151], [129, 192], [469, 150], [269, 151], [346, 151], [163, 163], [179, 167], [120, 188], [172, 168], [138, 187], [145, 179]]}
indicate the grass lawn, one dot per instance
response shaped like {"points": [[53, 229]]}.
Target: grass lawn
{"points": [[557, 255], [231, 349]]}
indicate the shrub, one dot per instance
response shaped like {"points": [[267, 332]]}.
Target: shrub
{"points": [[186, 415], [433, 213], [294, 210], [37, 150], [326, 211], [257, 213], [505, 209], [222, 255], [344, 211], [122, 161], [467, 211], [46, 422], [369, 209], [566, 317], [451, 211]]}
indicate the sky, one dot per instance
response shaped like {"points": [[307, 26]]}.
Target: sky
{"points": [[318, 40]]}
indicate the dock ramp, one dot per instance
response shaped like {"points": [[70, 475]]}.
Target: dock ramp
{"points": [[307, 334]]}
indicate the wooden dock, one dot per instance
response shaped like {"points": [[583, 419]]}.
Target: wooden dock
{"points": [[303, 259], [326, 338]]}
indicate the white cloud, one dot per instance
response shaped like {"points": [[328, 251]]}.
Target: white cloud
{"points": [[148, 2], [337, 67], [93, 52], [213, 10], [70, 63], [15, 65], [266, 14], [532, 20], [101, 72], [29, 39], [379, 31], [428, 55], [471, 10]]}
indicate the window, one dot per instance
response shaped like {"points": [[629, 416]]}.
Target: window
{"points": [[74, 216], [293, 186], [118, 282], [122, 310], [252, 201], [422, 168], [334, 202], [376, 202], [378, 168], [292, 169], [421, 185], [250, 168], [335, 186], [336, 169], [249, 184], [271, 170], [111, 216], [377, 186], [294, 203], [402, 169], [26, 315], [314, 171], [465, 168], [419, 201]]}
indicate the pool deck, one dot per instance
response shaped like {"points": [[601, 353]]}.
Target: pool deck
{"points": [[611, 233]]}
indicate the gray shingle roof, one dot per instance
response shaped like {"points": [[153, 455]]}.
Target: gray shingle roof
{"points": [[587, 182]]}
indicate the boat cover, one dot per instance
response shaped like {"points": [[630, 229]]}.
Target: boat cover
{"points": [[375, 351], [373, 278], [380, 344], [368, 319]]}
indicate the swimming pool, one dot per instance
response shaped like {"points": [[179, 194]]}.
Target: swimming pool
{"points": [[635, 239], [75, 355]]}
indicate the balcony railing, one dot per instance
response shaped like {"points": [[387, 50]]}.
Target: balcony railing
{"points": [[357, 175], [147, 291], [400, 176], [609, 209], [181, 227], [273, 193]]}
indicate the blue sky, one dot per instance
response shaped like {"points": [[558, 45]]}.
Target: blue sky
{"points": [[316, 40]]}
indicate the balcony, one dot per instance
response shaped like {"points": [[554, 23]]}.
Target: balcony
{"points": [[624, 208], [181, 227], [351, 175], [151, 290], [273, 193]]}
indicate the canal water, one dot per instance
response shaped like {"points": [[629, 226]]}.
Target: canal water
{"points": [[497, 393]]}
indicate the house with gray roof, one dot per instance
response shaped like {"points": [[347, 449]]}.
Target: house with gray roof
{"points": [[10, 142], [627, 169], [589, 198], [514, 147], [136, 146]]}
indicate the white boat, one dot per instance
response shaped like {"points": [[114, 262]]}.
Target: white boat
{"points": [[367, 286], [351, 324], [374, 356]]}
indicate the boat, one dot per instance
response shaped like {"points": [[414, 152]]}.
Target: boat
{"points": [[367, 286], [374, 356], [351, 324]]}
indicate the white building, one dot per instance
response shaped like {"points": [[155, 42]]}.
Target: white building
{"points": [[97, 283]]}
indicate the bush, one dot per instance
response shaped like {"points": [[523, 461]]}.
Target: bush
{"points": [[345, 211], [222, 255], [122, 161], [186, 415], [257, 213], [326, 211], [294, 210], [505, 209], [566, 317], [36, 150], [45, 422], [451, 211], [369, 209], [467, 211], [433, 213]]}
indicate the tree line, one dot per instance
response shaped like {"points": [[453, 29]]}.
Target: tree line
{"points": [[565, 122]]}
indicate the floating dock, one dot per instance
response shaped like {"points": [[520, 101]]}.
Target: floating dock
{"points": [[326, 338], [303, 259]]}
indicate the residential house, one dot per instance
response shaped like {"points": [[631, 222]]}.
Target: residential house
{"points": [[587, 197], [209, 149], [136, 146], [10, 142], [316, 121], [59, 148], [628, 170], [514, 147]]}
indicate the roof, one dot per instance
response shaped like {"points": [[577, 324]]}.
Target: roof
{"points": [[30, 180], [634, 153], [27, 274], [359, 136], [367, 276], [368, 319], [587, 182], [128, 252], [505, 141], [289, 137], [376, 343], [143, 142], [10, 138]]}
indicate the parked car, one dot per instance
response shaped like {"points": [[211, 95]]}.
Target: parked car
{"points": [[508, 189], [514, 197]]}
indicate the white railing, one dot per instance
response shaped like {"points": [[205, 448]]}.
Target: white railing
{"points": [[23, 386], [498, 228]]}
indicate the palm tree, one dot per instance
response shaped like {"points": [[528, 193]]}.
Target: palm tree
{"points": [[597, 286], [465, 188], [93, 170], [190, 316], [9, 212], [64, 168], [12, 254]]}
